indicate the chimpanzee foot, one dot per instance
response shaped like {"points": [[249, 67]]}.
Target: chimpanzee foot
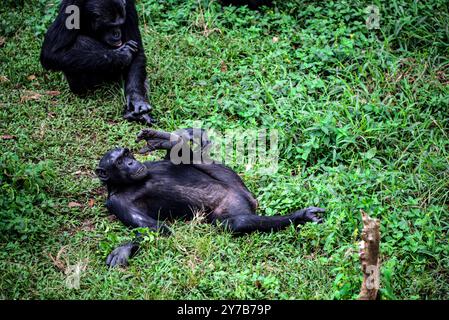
{"points": [[308, 215], [120, 255], [157, 140]]}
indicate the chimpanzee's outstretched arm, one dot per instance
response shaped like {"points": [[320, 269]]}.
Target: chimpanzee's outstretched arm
{"points": [[137, 106], [135, 218], [130, 215], [247, 223]]}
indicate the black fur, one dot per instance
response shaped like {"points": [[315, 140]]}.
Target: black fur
{"points": [[146, 194], [87, 58]]}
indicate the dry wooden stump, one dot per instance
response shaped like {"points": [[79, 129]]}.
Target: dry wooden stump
{"points": [[370, 257]]}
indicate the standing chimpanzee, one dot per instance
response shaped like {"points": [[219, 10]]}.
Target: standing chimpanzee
{"points": [[144, 194], [94, 41]]}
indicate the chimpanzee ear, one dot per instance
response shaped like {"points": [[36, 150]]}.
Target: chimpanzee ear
{"points": [[102, 174]]}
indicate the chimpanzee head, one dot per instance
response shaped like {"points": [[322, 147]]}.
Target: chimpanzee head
{"points": [[119, 167], [105, 20]]}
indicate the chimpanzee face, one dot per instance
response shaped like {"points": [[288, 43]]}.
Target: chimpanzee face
{"points": [[112, 36], [119, 166], [107, 18]]}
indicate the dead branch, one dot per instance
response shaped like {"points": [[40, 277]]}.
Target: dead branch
{"points": [[369, 257]]}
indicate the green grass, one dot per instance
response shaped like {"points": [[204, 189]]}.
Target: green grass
{"points": [[363, 117]]}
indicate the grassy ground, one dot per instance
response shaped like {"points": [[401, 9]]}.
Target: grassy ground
{"points": [[363, 120]]}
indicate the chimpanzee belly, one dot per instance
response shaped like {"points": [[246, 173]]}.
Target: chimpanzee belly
{"points": [[179, 191]]}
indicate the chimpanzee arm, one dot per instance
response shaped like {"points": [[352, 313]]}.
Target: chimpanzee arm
{"points": [[135, 76], [87, 55], [65, 49], [58, 36], [131, 217]]}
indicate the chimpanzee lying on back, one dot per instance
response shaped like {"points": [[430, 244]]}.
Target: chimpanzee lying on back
{"points": [[144, 194]]}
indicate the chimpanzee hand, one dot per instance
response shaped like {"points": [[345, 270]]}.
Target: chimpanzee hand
{"points": [[308, 215], [120, 255], [137, 109], [126, 52]]}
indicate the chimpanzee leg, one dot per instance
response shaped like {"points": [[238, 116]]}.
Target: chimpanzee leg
{"points": [[160, 140], [247, 223], [81, 83], [90, 56], [89, 63]]}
